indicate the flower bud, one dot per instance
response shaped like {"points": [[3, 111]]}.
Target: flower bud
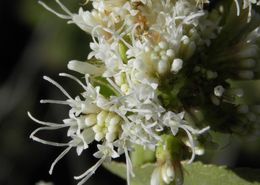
{"points": [[176, 65]]}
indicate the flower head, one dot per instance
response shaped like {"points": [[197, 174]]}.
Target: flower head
{"points": [[166, 68]]}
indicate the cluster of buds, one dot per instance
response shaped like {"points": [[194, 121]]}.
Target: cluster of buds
{"points": [[157, 77]]}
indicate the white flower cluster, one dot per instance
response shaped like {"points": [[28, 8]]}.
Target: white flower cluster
{"points": [[136, 44], [245, 4]]}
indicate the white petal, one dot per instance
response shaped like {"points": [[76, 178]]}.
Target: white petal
{"points": [[155, 178], [85, 68]]}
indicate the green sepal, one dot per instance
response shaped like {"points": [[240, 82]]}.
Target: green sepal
{"points": [[122, 51], [169, 149], [105, 88]]}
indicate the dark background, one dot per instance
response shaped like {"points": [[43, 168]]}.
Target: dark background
{"points": [[34, 43]]}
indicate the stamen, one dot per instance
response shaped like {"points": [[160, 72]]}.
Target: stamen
{"points": [[125, 33], [129, 81], [188, 19], [152, 125], [56, 102], [86, 175], [46, 123], [133, 34], [191, 143], [58, 86], [114, 85], [108, 86], [123, 116], [73, 78], [249, 12], [238, 7], [204, 130], [64, 8], [62, 16], [44, 141], [93, 33], [87, 79], [137, 110], [150, 132], [133, 135], [59, 158], [129, 166], [195, 131]]}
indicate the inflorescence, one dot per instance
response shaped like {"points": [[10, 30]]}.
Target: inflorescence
{"points": [[167, 65]]}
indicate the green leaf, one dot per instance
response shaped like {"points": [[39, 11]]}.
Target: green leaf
{"points": [[194, 174], [116, 168], [141, 156], [142, 174], [201, 174]]}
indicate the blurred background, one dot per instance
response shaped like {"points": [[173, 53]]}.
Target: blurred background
{"points": [[34, 43]]}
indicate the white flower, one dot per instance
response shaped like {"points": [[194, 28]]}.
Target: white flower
{"points": [[86, 20], [84, 117], [93, 117], [136, 45], [219, 90], [176, 65], [164, 172], [246, 4], [200, 3], [176, 122], [105, 153]]}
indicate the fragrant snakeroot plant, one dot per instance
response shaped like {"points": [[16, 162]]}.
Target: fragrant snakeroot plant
{"points": [[158, 76]]}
